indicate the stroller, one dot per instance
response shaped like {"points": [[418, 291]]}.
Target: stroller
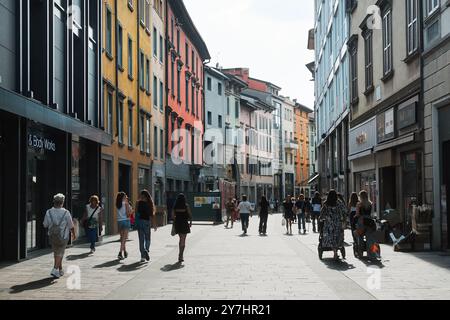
{"points": [[321, 249], [365, 237]]}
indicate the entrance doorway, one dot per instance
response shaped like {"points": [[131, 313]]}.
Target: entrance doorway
{"points": [[2, 181], [388, 192], [446, 183], [107, 197], [125, 179]]}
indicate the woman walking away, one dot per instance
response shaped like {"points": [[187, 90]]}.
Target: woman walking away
{"points": [[263, 215], [60, 226], [182, 222], [316, 208], [92, 219], [124, 212], [352, 206], [300, 206], [332, 216], [288, 214], [364, 207], [230, 207], [146, 210], [245, 209]]}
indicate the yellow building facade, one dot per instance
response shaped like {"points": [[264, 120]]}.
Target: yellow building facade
{"points": [[127, 99]]}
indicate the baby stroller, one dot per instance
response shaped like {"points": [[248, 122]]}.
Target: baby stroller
{"points": [[321, 249], [365, 237]]}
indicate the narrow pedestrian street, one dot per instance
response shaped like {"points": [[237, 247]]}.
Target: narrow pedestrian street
{"points": [[221, 264]]}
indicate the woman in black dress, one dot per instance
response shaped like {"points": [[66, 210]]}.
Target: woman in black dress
{"points": [[263, 215], [288, 214], [182, 222]]}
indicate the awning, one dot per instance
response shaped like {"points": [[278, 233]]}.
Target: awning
{"points": [[313, 178], [397, 142]]}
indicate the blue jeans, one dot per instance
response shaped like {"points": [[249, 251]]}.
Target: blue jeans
{"points": [[144, 233], [244, 221], [92, 236], [301, 218]]}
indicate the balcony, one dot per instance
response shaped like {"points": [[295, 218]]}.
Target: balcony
{"points": [[291, 144]]}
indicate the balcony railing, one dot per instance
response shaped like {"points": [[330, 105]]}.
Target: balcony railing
{"points": [[291, 144]]}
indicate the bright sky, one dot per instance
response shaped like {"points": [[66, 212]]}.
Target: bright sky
{"points": [[269, 37]]}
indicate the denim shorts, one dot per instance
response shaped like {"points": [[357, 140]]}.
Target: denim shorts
{"points": [[124, 225]]}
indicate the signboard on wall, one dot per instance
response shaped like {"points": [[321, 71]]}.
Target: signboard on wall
{"points": [[407, 115], [385, 126], [363, 137]]}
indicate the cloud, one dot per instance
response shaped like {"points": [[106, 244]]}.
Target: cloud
{"points": [[268, 37]]}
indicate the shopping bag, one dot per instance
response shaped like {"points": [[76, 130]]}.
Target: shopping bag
{"points": [[283, 222]]}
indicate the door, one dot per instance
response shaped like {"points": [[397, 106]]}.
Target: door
{"points": [[446, 183], [125, 179], [107, 197], [2, 231]]}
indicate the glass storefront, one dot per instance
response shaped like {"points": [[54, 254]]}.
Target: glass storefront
{"points": [[412, 183], [367, 181]]}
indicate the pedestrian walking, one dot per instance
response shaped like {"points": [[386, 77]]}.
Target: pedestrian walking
{"points": [[230, 209], [93, 220], [352, 208], [263, 215], [300, 207], [332, 217], [124, 212], [182, 223], [60, 227], [316, 209], [145, 211], [245, 211], [288, 207], [235, 211]]}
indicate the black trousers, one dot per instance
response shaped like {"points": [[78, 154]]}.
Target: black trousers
{"points": [[263, 223]]}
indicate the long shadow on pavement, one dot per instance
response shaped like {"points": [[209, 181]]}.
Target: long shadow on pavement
{"points": [[339, 265], [78, 256], [33, 285], [369, 262], [108, 264], [131, 267], [172, 267]]}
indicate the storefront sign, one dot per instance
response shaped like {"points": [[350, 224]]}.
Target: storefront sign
{"points": [[407, 115], [363, 137], [38, 142], [385, 126]]}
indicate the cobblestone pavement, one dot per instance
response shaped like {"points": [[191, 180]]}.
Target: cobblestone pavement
{"points": [[220, 264]]}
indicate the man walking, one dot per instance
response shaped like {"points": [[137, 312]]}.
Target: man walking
{"points": [[300, 205], [245, 210], [230, 207]]}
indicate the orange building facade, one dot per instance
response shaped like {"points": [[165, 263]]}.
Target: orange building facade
{"points": [[302, 159]]}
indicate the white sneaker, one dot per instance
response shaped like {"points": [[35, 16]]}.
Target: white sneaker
{"points": [[55, 273], [61, 272], [143, 260]]}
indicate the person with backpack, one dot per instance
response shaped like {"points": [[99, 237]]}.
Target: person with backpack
{"points": [[60, 226], [92, 220]]}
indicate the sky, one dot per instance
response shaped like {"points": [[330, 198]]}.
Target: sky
{"points": [[268, 37]]}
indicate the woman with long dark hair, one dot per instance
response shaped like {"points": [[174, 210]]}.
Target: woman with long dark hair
{"points": [[332, 216], [316, 208], [145, 210], [182, 219], [352, 208], [288, 214], [124, 212]]}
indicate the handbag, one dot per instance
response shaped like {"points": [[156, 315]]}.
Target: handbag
{"points": [[283, 222]]}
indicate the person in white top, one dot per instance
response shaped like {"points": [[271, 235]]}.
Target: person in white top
{"points": [[60, 226], [124, 212], [92, 220], [245, 210]]}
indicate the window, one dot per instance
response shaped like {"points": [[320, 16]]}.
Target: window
{"points": [[179, 85], [155, 142], [209, 118], [155, 92], [387, 42], [236, 109], [209, 84], [432, 6], [130, 126], [119, 123], [147, 140], [186, 50], [368, 50], [178, 40], [142, 11], [193, 97], [109, 113], [172, 78], [147, 75], [141, 70], [161, 49], [220, 121], [228, 106], [161, 144], [155, 42], [142, 132], [171, 30], [120, 46], [193, 61], [108, 32], [412, 29], [353, 50], [219, 88], [187, 93], [161, 96], [130, 58], [147, 14]]}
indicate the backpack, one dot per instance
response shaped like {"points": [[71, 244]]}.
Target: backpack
{"points": [[54, 232]]}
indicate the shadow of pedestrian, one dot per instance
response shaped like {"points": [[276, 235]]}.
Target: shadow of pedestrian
{"points": [[340, 265], [108, 264], [33, 285], [172, 267], [78, 256], [372, 262], [131, 267]]}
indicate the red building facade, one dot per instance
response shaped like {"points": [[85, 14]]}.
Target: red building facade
{"points": [[185, 55]]}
